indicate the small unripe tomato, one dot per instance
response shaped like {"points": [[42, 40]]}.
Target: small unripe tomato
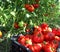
{"points": [[21, 24]]}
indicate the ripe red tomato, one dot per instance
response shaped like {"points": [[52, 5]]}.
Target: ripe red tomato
{"points": [[38, 38], [16, 25], [30, 8], [31, 48], [37, 29], [36, 5], [49, 36], [40, 46], [49, 48], [21, 40], [54, 43], [58, 32], [44, 27], [27, 6], [28, 36], [54, 30], [24, 40], [44, 43], [35, 47], [46, 31]]}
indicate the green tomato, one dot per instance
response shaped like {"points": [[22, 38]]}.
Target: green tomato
{"points": [[21, 24]]}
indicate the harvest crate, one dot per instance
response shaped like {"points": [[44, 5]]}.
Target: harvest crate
{"points": [[16, 47]]}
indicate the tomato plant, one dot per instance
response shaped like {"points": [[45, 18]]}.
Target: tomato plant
{"points": [[17, 15]]}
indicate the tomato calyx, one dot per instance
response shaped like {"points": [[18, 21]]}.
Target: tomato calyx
{"points": [[44, 42], [28, 41], [52, 49], [39, 35]]}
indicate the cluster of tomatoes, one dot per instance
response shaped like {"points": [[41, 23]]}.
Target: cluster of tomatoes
{"points": [[20, 24], [32, 7], [42, 39]]}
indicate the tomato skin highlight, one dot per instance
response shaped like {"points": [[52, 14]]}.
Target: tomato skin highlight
{"points": [[57, 38]]}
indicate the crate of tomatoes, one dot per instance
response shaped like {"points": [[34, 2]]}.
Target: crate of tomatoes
{"points": [[41, 38]]}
